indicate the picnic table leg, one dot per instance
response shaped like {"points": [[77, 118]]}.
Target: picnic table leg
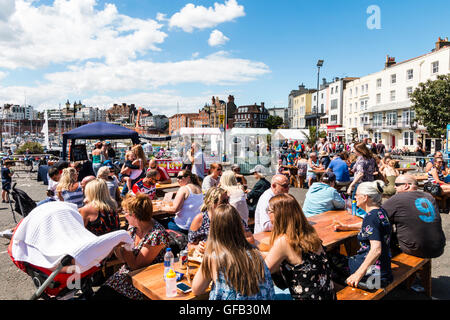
{"points": [[425, 276]]}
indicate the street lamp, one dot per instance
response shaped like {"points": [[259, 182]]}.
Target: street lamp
{"points": [[319, 64]]}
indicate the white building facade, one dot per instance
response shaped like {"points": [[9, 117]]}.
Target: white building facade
{"points": [[378, 105]]}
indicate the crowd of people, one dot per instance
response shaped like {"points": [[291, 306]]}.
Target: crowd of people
{"points": [[213, 209]]}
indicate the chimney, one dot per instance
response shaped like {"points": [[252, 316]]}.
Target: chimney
{"points": [[262, 104], [230, 99], [336, 79], [301, 87], [390, 61], [442, 43], [324, 81]]}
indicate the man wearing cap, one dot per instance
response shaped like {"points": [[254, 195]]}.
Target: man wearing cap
{"points": [[279, 185], [147, 185], [323, 197], [260, 187], [163, 177]]}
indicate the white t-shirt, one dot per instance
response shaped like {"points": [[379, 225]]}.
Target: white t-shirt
{"points": [[238, 200], [262, 219], [52, 186], [198, 167]]}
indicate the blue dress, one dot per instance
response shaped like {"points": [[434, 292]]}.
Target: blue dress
{"points": [[375, 226], [222, 291]]}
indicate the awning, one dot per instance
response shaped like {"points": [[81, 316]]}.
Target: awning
{"points": [[290, 134], [199, 131], [249, 131]]}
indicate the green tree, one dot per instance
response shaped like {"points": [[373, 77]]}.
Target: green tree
{"points": [[35, 148], [431, 104], [311, 138], [273, 122]]}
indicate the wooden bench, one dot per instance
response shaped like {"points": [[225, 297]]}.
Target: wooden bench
{"points": [[404, 268], [442, 203]]}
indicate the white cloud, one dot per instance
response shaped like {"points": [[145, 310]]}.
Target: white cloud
{"points": [[218, 69], [3, 75], [7, 8], [198, 17], [217, 38], [195, 55], [161, 17], [74, 31]]}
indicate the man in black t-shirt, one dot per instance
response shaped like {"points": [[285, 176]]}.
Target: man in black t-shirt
{"points": [[416, 220]]}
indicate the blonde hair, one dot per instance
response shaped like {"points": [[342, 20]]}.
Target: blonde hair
{"points": [[140, 154], [228, 181], [128, 154], [67, 179], [231, 254], [97, 194], [103, 173], [212, 197]]}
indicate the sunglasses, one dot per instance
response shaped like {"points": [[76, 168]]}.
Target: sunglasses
{"points": [[400, 184], [181, 177]]}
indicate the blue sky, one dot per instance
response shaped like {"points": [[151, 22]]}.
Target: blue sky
{"points": [[157, 53]]}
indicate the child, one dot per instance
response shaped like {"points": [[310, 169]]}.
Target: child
{"points": [[6, 181], [128, 168], [54, 175]]}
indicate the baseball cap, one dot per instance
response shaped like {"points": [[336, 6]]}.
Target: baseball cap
{"points": [[259, 169]]}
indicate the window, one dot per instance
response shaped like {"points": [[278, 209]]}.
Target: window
{"points": [[391, 119], [410, 74], [334, 118], [378, 120], [350, 108], [435, 67], [393, 95], [364, 105], [321, 96], [378, 83], [378, 98], [362, 89], [332, 90], [334, 104], [409, 90], [356, 91], [351, 92], [393, 78], [377, 136], [337, 88], [408, 138], [367, 88]]}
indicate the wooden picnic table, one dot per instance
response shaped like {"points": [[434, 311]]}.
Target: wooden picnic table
{"points": [[405, 170], [167, 186], [150, 280], [158, 211], [323, 223]]}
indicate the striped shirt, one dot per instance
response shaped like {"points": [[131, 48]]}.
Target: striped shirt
{"points": [[75, 197]]}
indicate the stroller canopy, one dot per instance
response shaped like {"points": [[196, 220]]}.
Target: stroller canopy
{"points": [[99, 130], [56, 229]]}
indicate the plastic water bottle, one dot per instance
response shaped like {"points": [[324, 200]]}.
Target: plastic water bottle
{"points": [[348, 205], [354, 207], [171, 284], [168, 261]]}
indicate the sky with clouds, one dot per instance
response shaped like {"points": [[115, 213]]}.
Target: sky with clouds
{"points": [[157, 54]]}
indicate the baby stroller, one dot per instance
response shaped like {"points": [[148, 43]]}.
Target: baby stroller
{"points": [[23, 204], [54, 248]]}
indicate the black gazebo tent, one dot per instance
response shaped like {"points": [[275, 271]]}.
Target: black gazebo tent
{"points": [[101, 131]]}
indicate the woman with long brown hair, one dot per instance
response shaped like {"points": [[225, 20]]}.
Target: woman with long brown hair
{"points": [[235, 267], [297, 252], [364, 168]]}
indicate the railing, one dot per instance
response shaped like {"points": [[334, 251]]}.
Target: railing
{"points": [[387, 125]]}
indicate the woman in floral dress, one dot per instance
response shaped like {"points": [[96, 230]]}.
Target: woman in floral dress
{"points": [[150, 241], [297, 253], [371, 265]]}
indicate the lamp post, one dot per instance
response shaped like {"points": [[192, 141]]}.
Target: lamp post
{"points": [[319, 64]]}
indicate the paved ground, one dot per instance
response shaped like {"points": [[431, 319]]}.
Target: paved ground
{"points": [[16, 285]]}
